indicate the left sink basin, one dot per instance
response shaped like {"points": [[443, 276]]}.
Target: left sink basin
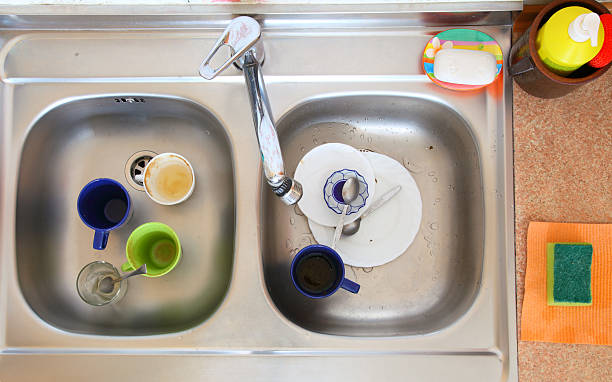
{"points": [[84, 138]]}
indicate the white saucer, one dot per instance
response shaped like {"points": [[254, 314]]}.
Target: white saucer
{"points": [[388, 232], [314, 169]]}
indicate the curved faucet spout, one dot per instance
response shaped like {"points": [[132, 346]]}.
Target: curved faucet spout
{"points": [[243, 37]]}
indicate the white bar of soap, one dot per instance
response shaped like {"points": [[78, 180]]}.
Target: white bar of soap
{"points": [[465, 67]]}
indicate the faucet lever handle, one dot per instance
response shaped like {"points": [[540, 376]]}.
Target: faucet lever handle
{"points": [[240, 35]]}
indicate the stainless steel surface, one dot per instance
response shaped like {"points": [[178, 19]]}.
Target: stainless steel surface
{"points": [[350, 190], [284, 7], [107, 284], [243, 37], [85, 138], [135, 166], [50, 69], [427, 288], [352, 227]]}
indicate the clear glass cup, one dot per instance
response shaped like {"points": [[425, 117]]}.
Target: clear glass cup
{"points": [[88, 284]]}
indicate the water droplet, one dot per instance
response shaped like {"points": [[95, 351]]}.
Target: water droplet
{"points": [[207, 132], [431, 173], [362, 137], [292, 220], [438, 200], [434, 226], [434, 179], [305, 240], [317, 130], [451, 187], [302, 149], [498, 194], [369, 139], [413, 167], [315, 141]]}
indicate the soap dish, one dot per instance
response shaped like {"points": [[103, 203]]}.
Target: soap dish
{"points": [[460, 39]]}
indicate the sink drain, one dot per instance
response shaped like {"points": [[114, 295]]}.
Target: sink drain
{"points": [[135, 166]]}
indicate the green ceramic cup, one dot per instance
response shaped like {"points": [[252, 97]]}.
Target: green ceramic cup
{"points": [[154, 244]]}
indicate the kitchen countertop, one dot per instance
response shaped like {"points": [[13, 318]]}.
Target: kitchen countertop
{"points": [[563, 173]]}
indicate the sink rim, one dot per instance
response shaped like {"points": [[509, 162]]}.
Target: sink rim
{"points": [[199, 341]]}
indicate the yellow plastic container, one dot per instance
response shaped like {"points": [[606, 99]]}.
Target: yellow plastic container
{"points": [[569, 39]]}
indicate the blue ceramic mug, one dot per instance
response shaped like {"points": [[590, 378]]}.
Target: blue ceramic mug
{"points": [[103, 205], [317, 271]]}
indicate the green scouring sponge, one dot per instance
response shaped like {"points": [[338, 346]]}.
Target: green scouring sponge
{"points": [[568, 274]]}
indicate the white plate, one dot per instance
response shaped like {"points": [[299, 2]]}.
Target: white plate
{"points": [[388, 232], [314, 169]]}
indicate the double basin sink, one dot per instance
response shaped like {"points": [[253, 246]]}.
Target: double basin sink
{"points": [[104, 101]]}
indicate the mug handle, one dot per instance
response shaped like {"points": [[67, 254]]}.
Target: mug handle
{"points": [[524, 65], [349, 285], [100, 240], [126, 267]]}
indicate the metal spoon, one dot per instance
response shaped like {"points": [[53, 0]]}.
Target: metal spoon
{"points": [[350, 190], [107, 284], [352, 227]]}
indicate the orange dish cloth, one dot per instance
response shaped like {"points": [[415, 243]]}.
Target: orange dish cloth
{"points": [[568, 324]]}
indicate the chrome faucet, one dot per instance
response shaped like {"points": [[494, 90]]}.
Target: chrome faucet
{"points": [[243, 35]]}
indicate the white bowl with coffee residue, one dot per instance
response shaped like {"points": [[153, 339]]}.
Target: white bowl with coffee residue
{"points": [[169, 179]]}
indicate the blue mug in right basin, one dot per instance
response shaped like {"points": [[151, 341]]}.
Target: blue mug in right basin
{"points": [[317, 271], [103, 205]]}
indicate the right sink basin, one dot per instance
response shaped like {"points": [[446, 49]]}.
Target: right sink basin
{"points": [[436, 279]]}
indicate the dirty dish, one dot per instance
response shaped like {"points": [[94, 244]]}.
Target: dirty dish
{"points": [[154, 244], [169, 179], [315, 168], [352, 228], [103, 205], [89, 283], [334, 187], [317, 271], [386, 234]]}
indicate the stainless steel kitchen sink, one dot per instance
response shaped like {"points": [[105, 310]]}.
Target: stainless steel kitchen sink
{"points": [[435, 280], [85, 138], [82, 97]]}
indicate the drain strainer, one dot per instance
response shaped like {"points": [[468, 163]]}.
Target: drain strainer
{"points": [[135, 166]]}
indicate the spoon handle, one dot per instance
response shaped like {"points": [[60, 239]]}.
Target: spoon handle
{"points": [[338, 231], [140, 271], [383, 199]]}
